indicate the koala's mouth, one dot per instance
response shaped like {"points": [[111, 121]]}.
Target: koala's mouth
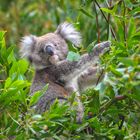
{"points": [[54, 59]]}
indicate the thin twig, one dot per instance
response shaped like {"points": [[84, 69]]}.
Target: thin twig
{"points": [[97, 24], [106, 106], [109, 16], [102, 72], [109, 103], [124, 26], [120, 126], [122, 121], [106, 19]]}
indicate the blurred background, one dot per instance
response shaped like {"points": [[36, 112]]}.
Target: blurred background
{"points": [[22, 17], [97, 20]]}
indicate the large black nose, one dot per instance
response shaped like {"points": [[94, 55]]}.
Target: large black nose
{"points": [[49, 50]]}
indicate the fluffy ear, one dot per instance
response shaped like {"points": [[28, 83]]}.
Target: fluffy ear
{"points": [[68, 32], [27, 44]]}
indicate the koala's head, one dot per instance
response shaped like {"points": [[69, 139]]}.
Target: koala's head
{"points": [[50, 48]]}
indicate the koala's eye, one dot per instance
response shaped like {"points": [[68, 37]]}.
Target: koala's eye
{"points": [[48, 49]]}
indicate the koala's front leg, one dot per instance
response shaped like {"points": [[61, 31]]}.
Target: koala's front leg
{"points": [[65, 68], [90, 77]]}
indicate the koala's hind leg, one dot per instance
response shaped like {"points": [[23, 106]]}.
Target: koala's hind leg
{"points": [[72, 87], [80, 109]]}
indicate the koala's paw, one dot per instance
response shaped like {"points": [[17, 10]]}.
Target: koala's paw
{"points": [[79, 118]]}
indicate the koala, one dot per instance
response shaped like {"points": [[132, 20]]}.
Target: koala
{"points": [[48, 54], [44, 52]]}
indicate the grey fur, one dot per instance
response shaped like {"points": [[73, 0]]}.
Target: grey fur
{"points": [[58, 72], [68, 32]]}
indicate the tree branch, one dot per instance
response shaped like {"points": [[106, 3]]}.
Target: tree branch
{"points": [[124, 26], [109, 103], [109, 16], [106, 20], [120, 126], [102, 72], [97, 24]]}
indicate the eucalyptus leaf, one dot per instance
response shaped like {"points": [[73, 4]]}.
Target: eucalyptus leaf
{"points": [[72, 56]]}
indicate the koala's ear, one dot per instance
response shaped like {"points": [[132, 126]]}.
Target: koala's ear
{"points": [[27, 45], [68, 32]]}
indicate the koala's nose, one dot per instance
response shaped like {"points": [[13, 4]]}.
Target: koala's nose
{"points": [[49, 50]]}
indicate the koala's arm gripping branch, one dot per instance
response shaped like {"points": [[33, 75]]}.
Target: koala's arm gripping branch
{"points": [[100, 48], [67, 67]]}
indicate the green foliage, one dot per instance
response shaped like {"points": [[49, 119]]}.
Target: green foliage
{"points": [[111, 107], [72, 56]]}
